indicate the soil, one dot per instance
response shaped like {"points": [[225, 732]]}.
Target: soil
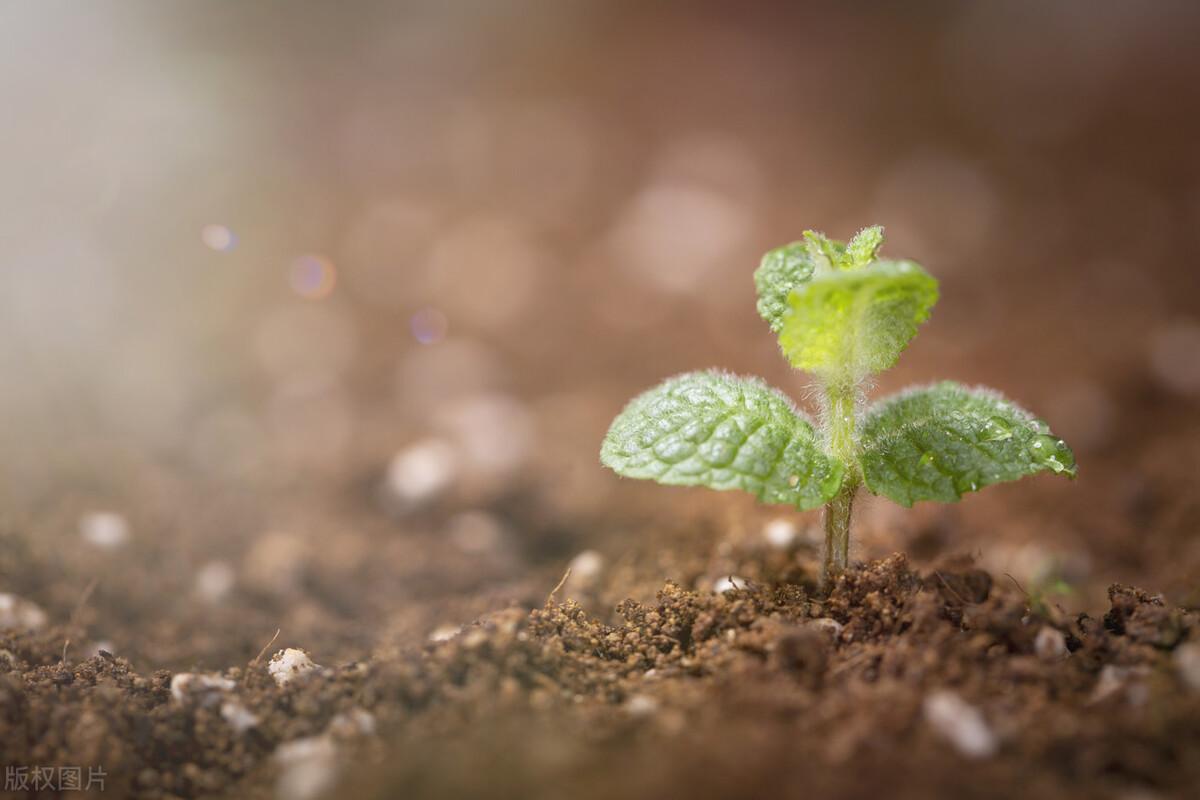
{"points": [[774, 688]]}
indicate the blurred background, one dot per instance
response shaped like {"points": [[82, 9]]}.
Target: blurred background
{"points": [[314, 315]]}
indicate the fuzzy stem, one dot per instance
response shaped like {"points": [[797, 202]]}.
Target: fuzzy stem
{"points": [[839, 412], [837, 529]]}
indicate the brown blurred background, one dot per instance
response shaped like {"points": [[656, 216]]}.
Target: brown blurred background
{"points": [[314, 315]]}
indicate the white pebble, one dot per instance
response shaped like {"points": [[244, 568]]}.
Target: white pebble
{"points": [[421, 471], [960, 723], [205, 688], [1187, 661], [240, 718], [289, 664], [1129, 682], [641, 705], [214, 580], [729, 583], [828, 625], [444, 633], [1050, 644], [587, 564], [307, 768], [17, 612], [780, 533], [104, 529]]}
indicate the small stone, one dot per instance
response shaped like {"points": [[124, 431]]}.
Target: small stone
{"points": [[585, 571], [240, 718], [204, 687], [960, 723], [1050, 644], [289, 664], [728, 584], [307, 768], [444, 633], [104, 529], [420, 472], [1187, 661], [17, 612], [641, 705], [1114, 680], [828, 625], [780, 533]]}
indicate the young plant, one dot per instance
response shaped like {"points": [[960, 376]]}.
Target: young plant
{"points": [[841, 314]]}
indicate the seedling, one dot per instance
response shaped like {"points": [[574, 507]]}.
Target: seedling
{"points": [[841, 314]]}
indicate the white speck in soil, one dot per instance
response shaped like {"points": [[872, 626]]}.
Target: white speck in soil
{"points": [[728, 584], [1050, 644], [1187, 661], [289, 664], [104, 529], [1116, 680], [828, 625], [444, 633], [960, 723], [420, 472], [17, 612], [307, 768], [641, 705], [586, 569], [780, 533], [204, 688], [240, 718]]}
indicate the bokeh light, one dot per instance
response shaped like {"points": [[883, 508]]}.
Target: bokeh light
{"points": [[312, 276], [428, 326], [218, 237]]}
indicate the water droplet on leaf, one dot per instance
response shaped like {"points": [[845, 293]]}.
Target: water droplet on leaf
{"points": [[997, 430]]}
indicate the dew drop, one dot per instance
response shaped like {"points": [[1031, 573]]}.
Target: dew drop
{"points": [[997, 430]]}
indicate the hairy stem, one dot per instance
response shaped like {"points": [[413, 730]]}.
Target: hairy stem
{"points": [[837, 529], [839, 412]]}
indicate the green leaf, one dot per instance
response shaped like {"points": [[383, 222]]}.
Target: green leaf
{"points": [[856, 322], [723, 432], [864, 247], [781, 270], [938, 442], [826, 253]]}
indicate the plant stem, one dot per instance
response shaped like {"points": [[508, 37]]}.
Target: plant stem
{"points": [[839, 413], [837, 529]]}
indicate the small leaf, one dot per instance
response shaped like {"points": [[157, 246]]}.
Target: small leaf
{"points": [[724, 432], [941, 441], [856, 322], [864, 247], [826, 253], [781, 270]]}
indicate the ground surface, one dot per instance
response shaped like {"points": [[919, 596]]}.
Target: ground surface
{"points": [[941, 683]]}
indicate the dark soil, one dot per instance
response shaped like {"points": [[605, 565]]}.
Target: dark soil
{"points": [[774, 689]]}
